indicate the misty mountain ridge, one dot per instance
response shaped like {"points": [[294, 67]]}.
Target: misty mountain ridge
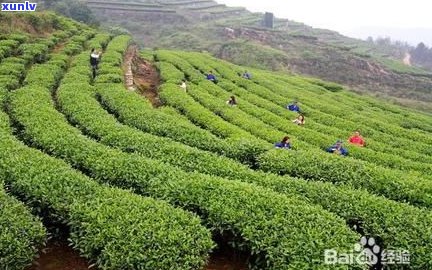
{"points": [[413, 36]]}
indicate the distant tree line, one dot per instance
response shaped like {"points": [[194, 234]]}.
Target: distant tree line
{"points": [[74, 9], [421, 55], [396, 48]]}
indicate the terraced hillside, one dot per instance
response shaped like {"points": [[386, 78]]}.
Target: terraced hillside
{"points": [[140, 186], [237, 35]]}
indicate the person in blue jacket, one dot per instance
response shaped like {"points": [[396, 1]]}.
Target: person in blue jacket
{"points": [[294, 107], [211, 77], [338, 149], [247, 75], [284, 144]]}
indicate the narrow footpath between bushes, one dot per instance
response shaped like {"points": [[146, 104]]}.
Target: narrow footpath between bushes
{"points": [[59, 255], [141, 75]]}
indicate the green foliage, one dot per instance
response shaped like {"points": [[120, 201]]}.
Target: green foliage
{"points": [[400, 67], [169, 73], [61, 34], [36, 52], [266, 89], [241, 119], [325, 167], [234, 115], [346, 202], [133, 110], [12, 69], [379, 216], [173, 96], [333, 87], [400, 225], [255, 217], [9, 44], [117, 31], [9, 82], [137, 225], [345, 173], [190, 73], [112, 59], [59, 60], [119, 44], [100, 41], [82, 108], [75, 9], [109, 78], [22, 233], [179, 154], [111, 226], [73, 48], [19, 37], [44, 75]]}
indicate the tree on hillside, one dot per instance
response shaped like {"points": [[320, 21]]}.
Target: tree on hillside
{"points": [[422, 55], [74, 9]]}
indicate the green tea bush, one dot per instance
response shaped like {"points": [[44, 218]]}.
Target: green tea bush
{"points": [[82, 109], [119, 43], [256, 218], [379, 216], [22, 234], [169, 73], [110, 226], [9, 82], [335, 169], [133, 110], [44, 75], [34, 52], [20, 37], [235, 115], [109, 78], [190, 72], [12, 69], [172, 95], [100, 41], [9, 43], [59, 60], [112, 59], [73, 48]]}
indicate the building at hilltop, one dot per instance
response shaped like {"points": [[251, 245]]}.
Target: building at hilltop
{"points": [[268, 20]]}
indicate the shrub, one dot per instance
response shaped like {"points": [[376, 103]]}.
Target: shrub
{"points": [[135, 111], [44, 75], [255, 217], [111, 226], [22, 233], [326, 167], [9, 82]]}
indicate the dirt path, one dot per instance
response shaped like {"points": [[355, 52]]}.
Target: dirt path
{"points": [[58, 255], [58, 47], [141, 76]]}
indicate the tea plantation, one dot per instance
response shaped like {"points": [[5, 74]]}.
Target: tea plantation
{"points": [[151, 187]]}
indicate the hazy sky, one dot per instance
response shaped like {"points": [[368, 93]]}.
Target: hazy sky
{"points": [[349, 17]]}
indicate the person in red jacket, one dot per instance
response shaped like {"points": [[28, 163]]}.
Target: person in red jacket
{"points": [[357, 139]]}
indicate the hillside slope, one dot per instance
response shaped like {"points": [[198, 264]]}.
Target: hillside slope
{"points": [[163, 181], [236, 34]]}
